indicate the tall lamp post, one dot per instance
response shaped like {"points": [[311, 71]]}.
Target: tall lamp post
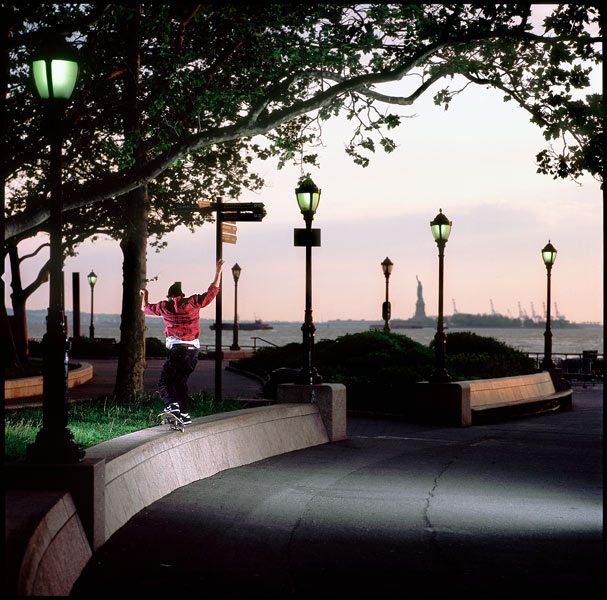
{"points": [[308, 197], [92, 278], [549, 256], [55, 71], [236, 274], [387, 265], [441, 228]]}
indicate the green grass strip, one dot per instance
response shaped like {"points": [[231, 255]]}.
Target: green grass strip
{"points": [[101, 419]]}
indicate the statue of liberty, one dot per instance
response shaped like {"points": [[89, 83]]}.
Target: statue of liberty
{"points": [[420, 308]]}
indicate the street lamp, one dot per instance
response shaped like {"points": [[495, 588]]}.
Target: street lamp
{"points": [[54, 70], [441, 228], [92, 280], [386, 265], [308, 197], [236, 274], [548, 256]]}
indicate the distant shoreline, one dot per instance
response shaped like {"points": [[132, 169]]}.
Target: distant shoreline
{"points": [[464, 320]]}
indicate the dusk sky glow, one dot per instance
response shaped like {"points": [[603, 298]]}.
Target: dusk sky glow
{"points": [[476, 161]]}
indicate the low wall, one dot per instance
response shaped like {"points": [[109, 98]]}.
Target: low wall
{"points": [[50, 542], [26, 387]]}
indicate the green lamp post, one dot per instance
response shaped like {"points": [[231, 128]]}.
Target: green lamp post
{"points": [[441, 229], [236, 270], [92, 279], [386, 266], [308, 197], [54, 70], [548, 256]]}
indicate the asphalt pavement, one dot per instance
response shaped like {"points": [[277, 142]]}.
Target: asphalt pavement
{"points": [[398, 510]]}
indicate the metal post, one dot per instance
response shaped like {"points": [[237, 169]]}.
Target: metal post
{"points": [[55, 442], [548, 363], [235, 346], [308, 375], [440, 373], [218, 305], [386, 307], [92, 325], [76, 304]]}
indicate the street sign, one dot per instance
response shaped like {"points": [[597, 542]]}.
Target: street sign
{"points": [[242, 216], [228, 239], [305, 237], [228, 228], [203, 204], [242, 206]]}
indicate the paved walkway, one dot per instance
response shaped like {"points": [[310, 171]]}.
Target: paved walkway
{"points": [[398, 510], [234, 385]]}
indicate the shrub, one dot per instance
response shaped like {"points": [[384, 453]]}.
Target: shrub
{"points": [[380, 370], [473, 356], [155, 348]]}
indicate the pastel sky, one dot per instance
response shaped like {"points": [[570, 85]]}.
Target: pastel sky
{"points": [[476, 161]]}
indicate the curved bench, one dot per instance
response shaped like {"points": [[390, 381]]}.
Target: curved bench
{"points": [[52, 531], [26, 387], [463, 402]]}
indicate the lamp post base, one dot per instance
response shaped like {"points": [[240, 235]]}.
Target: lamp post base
{"points": [[306, 377], [440, 376], [54, 446]]}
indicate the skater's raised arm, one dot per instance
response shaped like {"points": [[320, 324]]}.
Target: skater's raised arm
{"points": [[218, 269], [144, 298]]}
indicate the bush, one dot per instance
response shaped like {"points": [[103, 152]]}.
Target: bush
{"points": [[472, 356], [155, 348], [380, 369]]}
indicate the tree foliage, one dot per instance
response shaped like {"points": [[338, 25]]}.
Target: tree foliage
{"points": [[223, 84]]}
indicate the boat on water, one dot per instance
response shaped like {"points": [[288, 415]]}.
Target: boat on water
{"points": [[245, 325]]}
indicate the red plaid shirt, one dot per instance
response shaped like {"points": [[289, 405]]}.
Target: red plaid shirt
{"points": [[180, 314]]}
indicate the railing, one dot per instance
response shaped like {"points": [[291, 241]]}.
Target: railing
{"points": [[582, 366], [254, 347]]}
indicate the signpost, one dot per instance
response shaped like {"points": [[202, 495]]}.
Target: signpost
{"points": [[227, 214]]}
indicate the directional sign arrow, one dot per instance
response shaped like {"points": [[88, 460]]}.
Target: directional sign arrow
{"points": [[228, 239]]}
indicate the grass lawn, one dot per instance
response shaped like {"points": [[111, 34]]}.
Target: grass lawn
{"points": [[100, 419]]}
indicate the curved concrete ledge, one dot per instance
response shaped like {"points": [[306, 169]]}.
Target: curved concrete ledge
{"points": [[57, 543], [144, 466], [26, 387], [51, 540]]}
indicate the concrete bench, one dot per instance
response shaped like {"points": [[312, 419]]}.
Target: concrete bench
{"points": [[463, 403], [57, 515]]}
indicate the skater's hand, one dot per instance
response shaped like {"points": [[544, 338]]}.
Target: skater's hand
{"points": [[144, 296], [218, 269]]}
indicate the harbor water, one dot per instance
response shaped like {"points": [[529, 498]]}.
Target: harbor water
{"points": [[565, 340]]}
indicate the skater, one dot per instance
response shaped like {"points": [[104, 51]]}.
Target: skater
{"points": [[182, 331]]}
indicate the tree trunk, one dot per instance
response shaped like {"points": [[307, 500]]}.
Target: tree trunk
{"points": [[18, 322], [131, 361]]}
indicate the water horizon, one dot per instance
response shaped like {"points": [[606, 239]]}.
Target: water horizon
{"points": [[566, 340]]}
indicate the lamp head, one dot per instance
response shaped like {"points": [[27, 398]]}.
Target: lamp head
{"points": [[54, 70], [549, 254], [236, 271], [441, 227], [308, 197], [387, 265], [92, 278]]}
